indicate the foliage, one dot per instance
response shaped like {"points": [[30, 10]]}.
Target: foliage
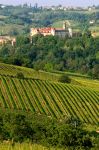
{"points": [[64, 79], [21, 126], [20, 75], [53, 53]]}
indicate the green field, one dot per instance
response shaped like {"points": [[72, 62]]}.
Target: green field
{"points": [[53, 99], [82, 80], [77, 26], [6, 29], [77, 79], [11, 70], [29, 146], [26, 146], [74, 24]]}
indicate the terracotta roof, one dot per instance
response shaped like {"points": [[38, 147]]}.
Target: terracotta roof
{"points": [[45, 30]]}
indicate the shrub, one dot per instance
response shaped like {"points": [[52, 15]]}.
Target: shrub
{"points": [[20, 75], [64, 79]]}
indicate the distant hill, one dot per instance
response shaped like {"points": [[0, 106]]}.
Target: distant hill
{"points": [[53, 99]]}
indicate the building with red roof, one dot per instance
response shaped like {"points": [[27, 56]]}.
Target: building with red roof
{"points": [[61, 32]]}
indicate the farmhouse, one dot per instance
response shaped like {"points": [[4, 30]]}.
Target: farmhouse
{"points": [[61, 32], [7, 39]]}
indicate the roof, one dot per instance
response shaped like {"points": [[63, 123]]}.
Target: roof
{"points": [[45, 30], [48, 29]]}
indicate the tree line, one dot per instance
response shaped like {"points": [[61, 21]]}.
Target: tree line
{"points": [[77, 54]]}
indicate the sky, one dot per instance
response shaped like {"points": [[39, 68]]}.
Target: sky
{"points": [[53, 2]]}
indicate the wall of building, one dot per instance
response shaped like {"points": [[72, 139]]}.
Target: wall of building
{"points": [[61, 34], [7, 39]]}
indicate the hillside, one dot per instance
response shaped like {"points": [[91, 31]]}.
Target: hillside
{"points": [[77, 79], [11, 70], [15, 20], [50, 98]]}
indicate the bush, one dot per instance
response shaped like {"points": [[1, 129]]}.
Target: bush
{"points": [[64, 79], [20, 75], [22, 126]]}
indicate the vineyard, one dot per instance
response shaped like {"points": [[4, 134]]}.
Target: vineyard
{"points": [[77, 79], [11, 70], [52, 99]]}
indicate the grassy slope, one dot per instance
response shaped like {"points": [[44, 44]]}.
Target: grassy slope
{"points": [[46, 97], [77, 79], [26, 146], [7, 28], [11, 70]]}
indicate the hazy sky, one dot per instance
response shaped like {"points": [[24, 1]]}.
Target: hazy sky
{"points": [[53, 2]]}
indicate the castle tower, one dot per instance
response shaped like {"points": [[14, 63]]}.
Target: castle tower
{"points": [[64, 25]]}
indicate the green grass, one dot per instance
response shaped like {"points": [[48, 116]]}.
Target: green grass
{"points": [[88, 83], [11, 70], [82, 80], [29, 146], [25, 146]]}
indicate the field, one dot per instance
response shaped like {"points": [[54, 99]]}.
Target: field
{"points": [[77, 26], [25, 146], [7, 29], [82, 80], [53, 99], [74, 24], [77, 79], [30, 146], [10, 70], [88, 83]]}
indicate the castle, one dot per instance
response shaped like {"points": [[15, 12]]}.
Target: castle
{"points": [[61, 32]]}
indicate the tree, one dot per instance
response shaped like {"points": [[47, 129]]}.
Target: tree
{"points": [[64, 79], [17, 61], [22, 40], [95, 71], [48, 67]]}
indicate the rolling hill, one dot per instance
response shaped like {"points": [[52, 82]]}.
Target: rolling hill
{"points": [[53, 99]]}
